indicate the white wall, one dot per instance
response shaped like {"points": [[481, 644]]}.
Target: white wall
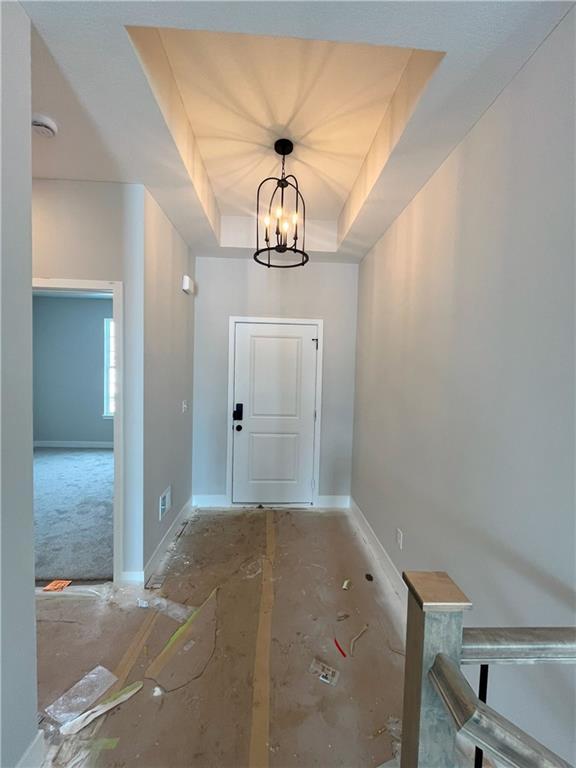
{"points": [[464, 418], [18, 724], [168, 352], [229, 287], [80, 229]]}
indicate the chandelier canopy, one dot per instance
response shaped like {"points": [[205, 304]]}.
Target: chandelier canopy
{"points": [[280, 218]]}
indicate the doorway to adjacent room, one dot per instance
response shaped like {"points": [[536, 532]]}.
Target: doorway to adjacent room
{"points": [[77, 332]]}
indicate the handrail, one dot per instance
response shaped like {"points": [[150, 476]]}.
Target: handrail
{"points": [[485, 727], [519, 645], [436, 694]]}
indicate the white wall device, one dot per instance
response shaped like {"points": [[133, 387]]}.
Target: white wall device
{"points": [[188, 285], [44, 125], [165, 502]]}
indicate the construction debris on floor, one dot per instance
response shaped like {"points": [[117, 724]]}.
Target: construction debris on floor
{"points": [[245, 651], [57, 585]]}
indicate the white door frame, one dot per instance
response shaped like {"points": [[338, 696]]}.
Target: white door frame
{"points": [[114, 288], [318, 398]]}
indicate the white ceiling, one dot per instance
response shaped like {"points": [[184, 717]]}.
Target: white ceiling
{"points": [[78, 150], [87, 75], [242, 92]]}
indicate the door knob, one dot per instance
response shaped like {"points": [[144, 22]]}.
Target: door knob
{"points": [[238, 427]]}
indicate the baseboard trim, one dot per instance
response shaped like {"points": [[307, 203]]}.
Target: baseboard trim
{"points": [[333, 502], [378, 554], [156, 560], [208, 502], [222, 502], [130, 577], [72, 444], [34, 756]]}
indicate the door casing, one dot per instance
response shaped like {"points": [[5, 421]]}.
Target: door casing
{"points": [[319, 367]]}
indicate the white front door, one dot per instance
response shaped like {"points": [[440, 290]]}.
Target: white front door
{"points": [[274, 413]]}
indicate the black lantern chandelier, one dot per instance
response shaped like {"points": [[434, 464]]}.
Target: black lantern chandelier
{"points": [[280, 218]]}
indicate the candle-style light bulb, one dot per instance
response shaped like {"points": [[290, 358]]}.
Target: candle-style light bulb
{"points": [[279, 212], [294, 218], [267, 220]]}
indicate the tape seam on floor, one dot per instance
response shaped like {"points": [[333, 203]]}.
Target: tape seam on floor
{"points": [[133, 651], [260, 729]]}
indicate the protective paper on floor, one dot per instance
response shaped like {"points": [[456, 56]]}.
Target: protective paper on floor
{"points": [[82, 695]]}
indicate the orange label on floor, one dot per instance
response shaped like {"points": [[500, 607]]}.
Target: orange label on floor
{"points": [[57, 585]]}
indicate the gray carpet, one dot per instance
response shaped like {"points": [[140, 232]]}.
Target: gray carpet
{"points": [[73, 498]]}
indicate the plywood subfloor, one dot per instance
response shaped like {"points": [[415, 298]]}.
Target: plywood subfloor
{"points": [[234, 689]]}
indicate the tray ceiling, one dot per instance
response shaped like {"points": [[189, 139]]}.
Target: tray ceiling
{"points": [[116, 123], [241, 92]]}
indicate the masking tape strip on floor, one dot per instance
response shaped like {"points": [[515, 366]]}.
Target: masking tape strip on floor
{"points": [[260, 730], [133, 651]]}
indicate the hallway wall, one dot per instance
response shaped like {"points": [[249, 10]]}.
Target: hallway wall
{"points": [[228, 287], [464, 417], [168, 372]]}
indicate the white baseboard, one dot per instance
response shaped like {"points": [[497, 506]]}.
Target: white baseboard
{"points": [[222, 502], [130, 577], [333, 502], [72, 444], [376, 551], [155, 562], [210, 502], [35, 754]]}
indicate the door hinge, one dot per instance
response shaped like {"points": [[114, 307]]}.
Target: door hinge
{"points": [[316, 342], [315, 414]]}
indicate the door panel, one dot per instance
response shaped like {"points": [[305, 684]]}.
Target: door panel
{"points": [[275, 380], [275, 375], [274, 458]]}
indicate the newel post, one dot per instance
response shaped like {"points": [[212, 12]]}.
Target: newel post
{"points": [[435, 616]]}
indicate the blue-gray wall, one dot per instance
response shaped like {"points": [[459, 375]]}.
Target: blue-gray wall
{"points": [[69, 369]]}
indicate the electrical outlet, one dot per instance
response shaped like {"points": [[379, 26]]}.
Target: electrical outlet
{"points": [[400, 538], [165, 502], [184, 406]]}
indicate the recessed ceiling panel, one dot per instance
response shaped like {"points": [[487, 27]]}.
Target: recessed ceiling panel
{"points": [[242, 92]]}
